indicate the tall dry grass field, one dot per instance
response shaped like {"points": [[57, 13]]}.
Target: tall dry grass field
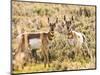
{"points": [[32, 17]]}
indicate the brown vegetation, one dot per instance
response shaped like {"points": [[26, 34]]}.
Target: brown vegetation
{"points": [[33, 17]]}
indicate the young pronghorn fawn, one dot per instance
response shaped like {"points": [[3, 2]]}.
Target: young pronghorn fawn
{"points": [[37, 40], [76, 39]]}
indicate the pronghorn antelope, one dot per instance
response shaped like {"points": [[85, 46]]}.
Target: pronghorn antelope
{"points": [[37, 40], [76, 39], [20, 56]]}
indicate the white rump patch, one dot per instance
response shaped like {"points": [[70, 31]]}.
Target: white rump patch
{"points": [[35, 43]]}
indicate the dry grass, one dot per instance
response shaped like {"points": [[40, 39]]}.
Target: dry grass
{"points": [[32, 15]]}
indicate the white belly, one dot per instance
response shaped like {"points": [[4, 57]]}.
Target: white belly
{"points": [[35, 43], [72, 42], [79, 37]]}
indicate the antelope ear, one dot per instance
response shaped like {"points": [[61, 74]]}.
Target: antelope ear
{"points": [[70, 22], [72, 18], [50, 24], [54, 25], [48, 20], [64, 18]]}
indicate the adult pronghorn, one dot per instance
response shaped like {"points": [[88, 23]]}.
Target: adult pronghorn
{"points": [[76, 39], [37, 40]]}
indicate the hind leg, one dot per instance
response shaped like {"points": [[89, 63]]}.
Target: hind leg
{"points": [[89, 53], [78, 51], [44, 58]]}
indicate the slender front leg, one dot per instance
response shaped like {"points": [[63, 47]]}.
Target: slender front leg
{"points": [[26, 41], [47, 58], [88, 51]]}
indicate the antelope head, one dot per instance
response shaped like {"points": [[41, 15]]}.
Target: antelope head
{"points": [[68, 23], [52, 27]]}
